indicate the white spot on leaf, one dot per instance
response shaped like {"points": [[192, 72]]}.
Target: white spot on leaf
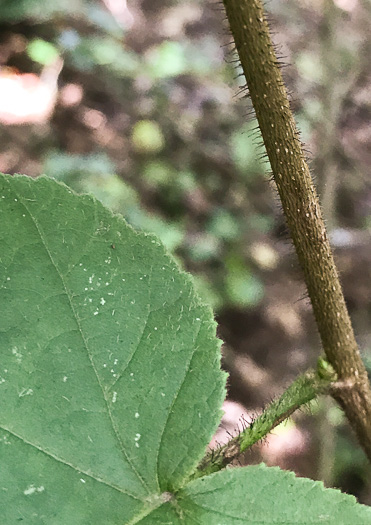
{"points": [[25, 392], [17, 354], [32, 490]]}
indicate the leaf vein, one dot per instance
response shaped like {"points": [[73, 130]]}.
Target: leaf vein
{"points": [[77, 320]]}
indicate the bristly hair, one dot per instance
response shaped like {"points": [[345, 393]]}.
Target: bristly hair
{"points": [[303, 298], [255, 134]]}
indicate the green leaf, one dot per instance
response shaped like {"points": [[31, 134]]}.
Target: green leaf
{"points": [[110, 378], [265, 496], [110, 382]]}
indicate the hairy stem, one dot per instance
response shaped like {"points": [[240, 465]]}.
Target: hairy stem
{"points": [[301, 207], [305, 388]]}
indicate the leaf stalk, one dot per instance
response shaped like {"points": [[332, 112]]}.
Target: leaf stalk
{"points": [[303, 390]]}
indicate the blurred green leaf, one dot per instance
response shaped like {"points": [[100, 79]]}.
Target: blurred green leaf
{"points": [[111, 190], [186, 181], [158, 173], [304, 126], [171, 234], [102, 18], [349, 459], [40, 10], [224, 225], [41, 51], [64, 166], [23, 9], [207, 292], [109, 51], [244, 151], [261, 223], [312, 109], [366, 356], [242, 287], [166, 60], [309, 66], [204, 247], [94, 174], [89, 52], [147, 137]]}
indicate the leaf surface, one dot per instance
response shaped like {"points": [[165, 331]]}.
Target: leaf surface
{"points": [[110, 381], [260, 495], [110, 377]]}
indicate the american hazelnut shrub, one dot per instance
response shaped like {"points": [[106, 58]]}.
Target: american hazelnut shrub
{"points": [[110, 379]]}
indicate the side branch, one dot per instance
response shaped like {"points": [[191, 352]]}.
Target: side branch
{"points": [[305, 388], [301, 207]]}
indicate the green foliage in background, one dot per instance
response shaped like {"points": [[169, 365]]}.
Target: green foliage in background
{"points": [[42, 51], [164, 169]]}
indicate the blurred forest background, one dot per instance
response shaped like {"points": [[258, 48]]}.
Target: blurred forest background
{"points": [[139, 103]]}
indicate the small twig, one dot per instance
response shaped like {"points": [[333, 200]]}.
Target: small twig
{"points": [[305, 388]]}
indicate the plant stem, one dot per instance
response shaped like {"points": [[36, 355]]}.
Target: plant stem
{"points": [[303, 213], [305, 388]]}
